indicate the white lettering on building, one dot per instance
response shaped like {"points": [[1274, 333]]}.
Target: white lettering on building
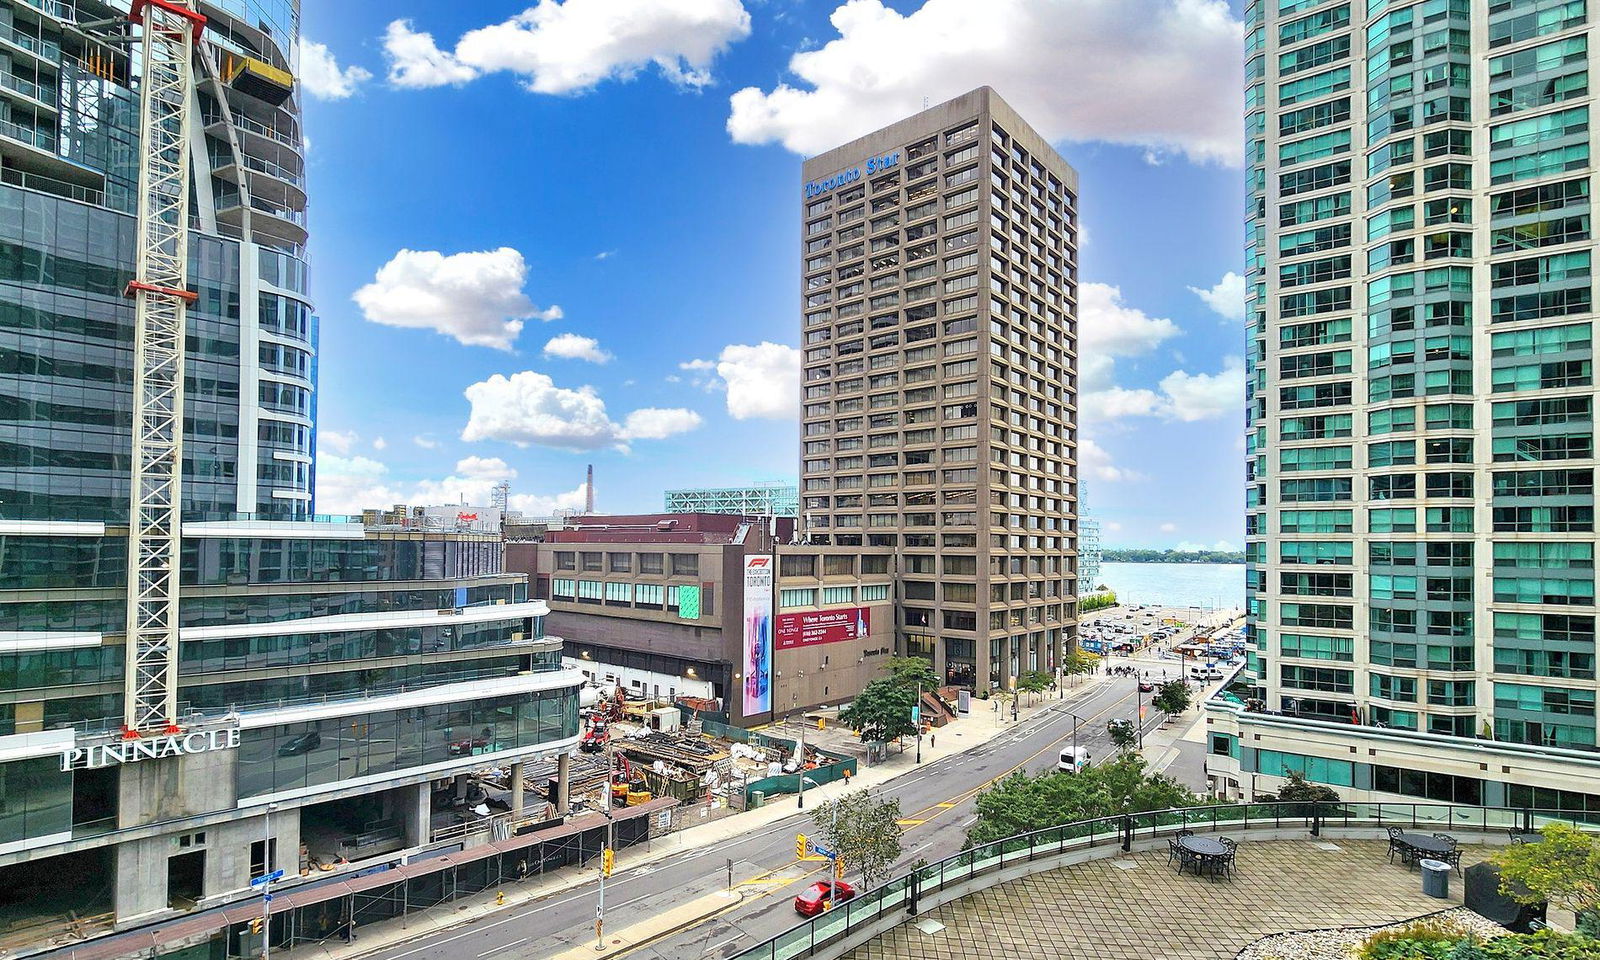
{"points": [[149, 748]]}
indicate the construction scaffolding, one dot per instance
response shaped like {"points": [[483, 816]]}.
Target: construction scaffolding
{"points": [[755, 500]]}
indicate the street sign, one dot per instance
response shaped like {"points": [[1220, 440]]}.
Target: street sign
{"points": [[916, 714], [267, 898], [268, 878], [818, 850]]}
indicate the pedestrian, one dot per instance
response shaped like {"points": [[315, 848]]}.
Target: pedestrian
{"points": [[932, 739]]}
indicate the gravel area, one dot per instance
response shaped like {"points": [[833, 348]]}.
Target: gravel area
{"points": [[1341, 943]]}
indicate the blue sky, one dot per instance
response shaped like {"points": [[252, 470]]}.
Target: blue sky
{"points": [[549, 236]]}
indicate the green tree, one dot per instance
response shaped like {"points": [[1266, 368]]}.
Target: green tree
{"points": [[863, 830], [1097, 601], [908, 672], [1123, 734], [881, 711], [1301, 790], [1020, 803], [1078, 661], [1035, 681], [1562, 869], [1172, 697]]}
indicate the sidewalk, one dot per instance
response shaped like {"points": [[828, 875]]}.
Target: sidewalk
{"points": [[960, 735]]}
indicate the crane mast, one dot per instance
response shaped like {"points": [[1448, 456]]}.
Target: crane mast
{"points": [[170, 31]]}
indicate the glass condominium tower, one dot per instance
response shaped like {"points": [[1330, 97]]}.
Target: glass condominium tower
{"points": [[1420, 501], [939, 398], [328, 672]]}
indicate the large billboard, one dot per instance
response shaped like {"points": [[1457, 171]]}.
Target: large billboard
{"points": [[823, 626], [757, 634]]}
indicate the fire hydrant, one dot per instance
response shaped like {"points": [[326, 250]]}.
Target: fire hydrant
{"points": [[500, 898]]}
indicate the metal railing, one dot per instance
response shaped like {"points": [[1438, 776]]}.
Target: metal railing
{"points": [[50, 185], [987, 861]]}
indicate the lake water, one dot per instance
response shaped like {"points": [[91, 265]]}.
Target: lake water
{"points": [[1206, 585]]}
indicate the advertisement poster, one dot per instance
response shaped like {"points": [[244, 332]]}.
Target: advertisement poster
{"points": [[823, 626], [757, 634]]}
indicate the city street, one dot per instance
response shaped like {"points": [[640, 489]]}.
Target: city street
{"points": [[936, 802]]}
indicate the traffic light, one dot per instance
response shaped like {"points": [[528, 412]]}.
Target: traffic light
{"points": [[256, 926], [838, 868], [608, 859], [799, 846]]}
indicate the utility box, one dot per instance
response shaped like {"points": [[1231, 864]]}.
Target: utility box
{"points": [[665, 719]]}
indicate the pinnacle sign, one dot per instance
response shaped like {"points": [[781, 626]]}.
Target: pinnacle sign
{"points": [[148, 748]]}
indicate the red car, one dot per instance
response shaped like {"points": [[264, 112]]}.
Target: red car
{"points": [[833, 892], [1145, 686]]}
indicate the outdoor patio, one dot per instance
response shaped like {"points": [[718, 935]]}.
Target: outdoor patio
{"points": [[1138, 907]]}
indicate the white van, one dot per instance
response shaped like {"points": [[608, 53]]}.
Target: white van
{"points": [[1209, 671], [1071, 763]]}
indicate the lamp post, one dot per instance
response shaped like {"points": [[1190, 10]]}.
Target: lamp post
{"points": [[916, 718], [266, 885], [800, 766]]}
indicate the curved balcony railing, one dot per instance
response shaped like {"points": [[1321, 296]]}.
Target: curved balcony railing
{"points": [[834, 932]]}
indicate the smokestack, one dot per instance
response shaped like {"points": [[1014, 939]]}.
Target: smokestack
{"points": [[588, 491]]}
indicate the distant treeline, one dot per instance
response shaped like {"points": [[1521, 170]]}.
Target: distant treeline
{"points": [[1172, 556]]}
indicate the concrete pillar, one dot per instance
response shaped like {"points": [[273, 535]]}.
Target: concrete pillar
{"points": [[516, 789], [563, 783], [419, 816]]}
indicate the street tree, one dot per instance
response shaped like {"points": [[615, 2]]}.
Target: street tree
{"points": [[1562, 869], [1035, 681], [881, 711], [910, 672], [1020, 803], [1172, 698], [864, 830], [1123, 734], [1078, 662]]}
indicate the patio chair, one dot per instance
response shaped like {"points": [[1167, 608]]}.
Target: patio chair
{"points": [[1454, 859], [1517, 836], [1396, 846], [1447, 839], [1231, 857], [1175, 851]]}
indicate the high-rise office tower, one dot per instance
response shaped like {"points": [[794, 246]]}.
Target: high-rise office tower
{"points": [[940, 395], [1420, 508], [326, 672]]}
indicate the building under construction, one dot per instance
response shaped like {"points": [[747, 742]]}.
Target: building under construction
{"points": [[751, 500], [201, 682]]}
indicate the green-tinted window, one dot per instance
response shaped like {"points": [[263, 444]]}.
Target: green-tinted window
{"points": [[1276, 763]]}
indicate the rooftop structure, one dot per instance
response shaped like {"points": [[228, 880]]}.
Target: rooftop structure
{"points": [[753, 500]]}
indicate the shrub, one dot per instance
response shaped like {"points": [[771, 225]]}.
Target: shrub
{"points": [[1422, 940]]}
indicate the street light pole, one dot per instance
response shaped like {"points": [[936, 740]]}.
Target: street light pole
{"points": [[800, 765], [266, 886], [916, 717]]}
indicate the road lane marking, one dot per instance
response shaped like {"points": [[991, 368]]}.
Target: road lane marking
{"points": [[910, 823], [946, 805]]}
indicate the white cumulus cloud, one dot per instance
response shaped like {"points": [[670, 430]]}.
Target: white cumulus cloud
{"points": [[1226, 298], [529, 408], [1169, 528], [1095, 461], [571, 346], [321, 75], [569, 47], [762, 380], [476, 298], [1110, 327], [352, 484], [339, 441], [1161, 74], [416, 61], [1204, 396], [425, 441]]}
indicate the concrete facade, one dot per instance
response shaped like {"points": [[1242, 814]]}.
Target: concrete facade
{"points": [[939, 395]]}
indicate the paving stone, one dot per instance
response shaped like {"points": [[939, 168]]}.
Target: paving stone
{"points": [[1102, 910]]}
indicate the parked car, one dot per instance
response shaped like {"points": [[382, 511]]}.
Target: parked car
{"points": [[822, 895], [1203, 673]]}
